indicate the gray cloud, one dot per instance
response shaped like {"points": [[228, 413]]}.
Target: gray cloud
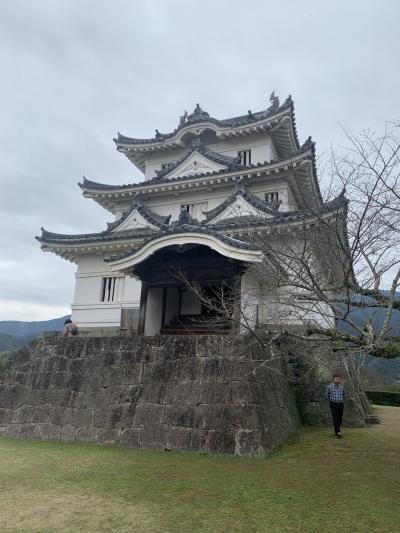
{"points": [[76, 72]]}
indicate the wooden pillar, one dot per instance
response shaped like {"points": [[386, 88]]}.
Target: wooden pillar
{"points": [[143, 307]]}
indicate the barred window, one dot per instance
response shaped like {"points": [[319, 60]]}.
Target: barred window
{"points": [[245, 157], [272, 196], [164, 166], [195, 210], [108, 289]]}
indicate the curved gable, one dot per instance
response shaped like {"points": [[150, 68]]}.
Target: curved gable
{"points": [[228, 247]]}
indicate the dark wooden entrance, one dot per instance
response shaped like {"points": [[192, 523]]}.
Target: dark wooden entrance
{"points": [[169, 274]]}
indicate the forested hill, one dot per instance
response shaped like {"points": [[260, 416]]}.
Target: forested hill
{"points": [[16, 327], [15, 333]]}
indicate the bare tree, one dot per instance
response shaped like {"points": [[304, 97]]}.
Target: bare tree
{"points": [[322, 264]]}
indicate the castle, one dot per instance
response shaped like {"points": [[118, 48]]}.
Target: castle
{"points": [[220, 202], [208, 186]]}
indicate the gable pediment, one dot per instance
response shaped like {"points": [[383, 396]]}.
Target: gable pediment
{"points": [[195, 163], [134, 220], [239, 208]]}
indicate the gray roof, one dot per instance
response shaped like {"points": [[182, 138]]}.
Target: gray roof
{"points": [[233, 223], [199, 115], [200, 227], [308, 145], [49, 237], [178, 228], [109, 234], [283, 217], [147, 213]]}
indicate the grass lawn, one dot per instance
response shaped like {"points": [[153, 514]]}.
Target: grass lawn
{"points": [[314, 483]]}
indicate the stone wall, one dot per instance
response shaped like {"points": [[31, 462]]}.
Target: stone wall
{"points": [[310, 365], [211, 393]]}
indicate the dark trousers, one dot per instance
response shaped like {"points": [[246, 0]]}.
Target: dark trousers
{"points": [[337, 415]]}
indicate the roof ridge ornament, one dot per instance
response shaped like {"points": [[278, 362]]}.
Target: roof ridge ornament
{"points": [[274, 102], [183, 118], [196, 143], [136, 202], [198, 111], [239, 188], [198, 114], [186, 218]]}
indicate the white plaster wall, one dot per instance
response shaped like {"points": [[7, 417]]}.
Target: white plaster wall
{"points": [[153, 311], [88, 311], [261, 145], [284, 305], [132, 290], [207, 200], [196, 163], [154, 161], [93, 317], [288, 309], [249, 301]]}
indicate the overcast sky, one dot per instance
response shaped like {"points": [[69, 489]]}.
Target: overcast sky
{"points": [[74, 72]]}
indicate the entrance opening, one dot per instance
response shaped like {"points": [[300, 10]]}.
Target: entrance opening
{"points": [[189, 289]]}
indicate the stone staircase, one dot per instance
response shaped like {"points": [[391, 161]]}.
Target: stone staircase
{"points": [[196, 325]]}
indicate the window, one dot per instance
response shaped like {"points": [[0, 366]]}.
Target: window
{"points": [[195, 210], [272, 196], [164, 166], [245, 157], [108, 289]]}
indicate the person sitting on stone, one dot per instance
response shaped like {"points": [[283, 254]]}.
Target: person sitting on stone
{"points": [[70, 328]]}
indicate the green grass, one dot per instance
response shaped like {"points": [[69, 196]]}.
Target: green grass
{"points": [[314, 483]]}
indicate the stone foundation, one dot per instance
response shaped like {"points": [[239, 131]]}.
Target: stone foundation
{"points": [[211, 393]]}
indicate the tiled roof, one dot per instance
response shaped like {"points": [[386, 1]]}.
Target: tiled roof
{"points": [[89, 184], [199, 115], [109, 234], [147, 213], [49, 237], [283, 217], [177, 228], [233, 223]]}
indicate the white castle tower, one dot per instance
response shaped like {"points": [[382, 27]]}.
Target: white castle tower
{"points": [[208, 185]]}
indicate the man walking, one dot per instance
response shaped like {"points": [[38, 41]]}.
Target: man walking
{"points": [[335, 394]]}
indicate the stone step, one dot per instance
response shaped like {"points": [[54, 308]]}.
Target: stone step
{"points": [[372, 419], [197, 332], [199, 325]]}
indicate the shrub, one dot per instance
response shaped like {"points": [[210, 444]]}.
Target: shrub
{"points": [[389, 351], [381, 397]]}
